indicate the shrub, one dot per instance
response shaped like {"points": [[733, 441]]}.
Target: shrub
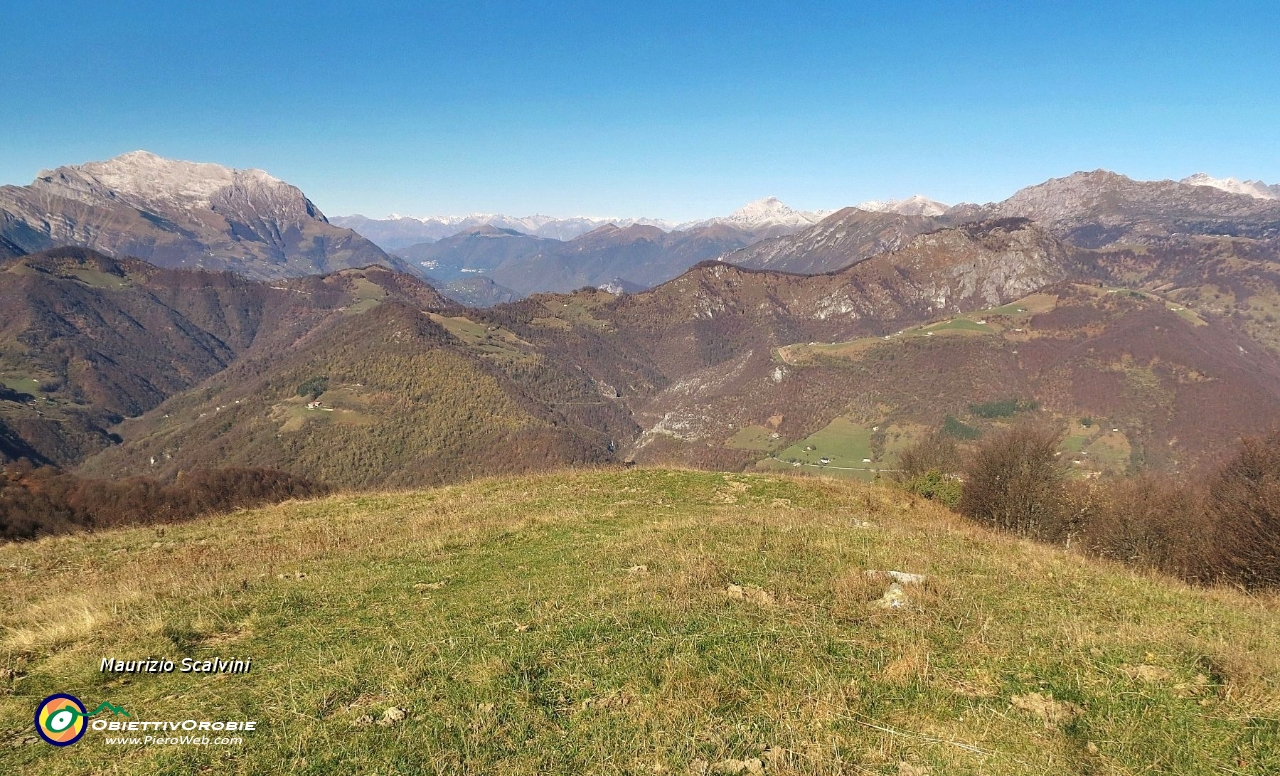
{"points": [[934, 485], [1243, 499], [1151, 520], [932, 453], [928, 468], [1015, 481], [958, 429]]}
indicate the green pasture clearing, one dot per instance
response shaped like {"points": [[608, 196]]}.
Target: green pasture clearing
{"points": [[646, 622], [843, 441], [759, 438]]}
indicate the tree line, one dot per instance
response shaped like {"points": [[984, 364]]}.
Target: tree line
{"points": [[1221, 525], [40, 501]]}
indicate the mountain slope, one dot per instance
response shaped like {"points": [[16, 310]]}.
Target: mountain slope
{"points": [[97, 339], [632, 256], [644, 621], [841, 239], [1098, 208], [181, 214], [404, 397], [478, 250], [720, 350]]}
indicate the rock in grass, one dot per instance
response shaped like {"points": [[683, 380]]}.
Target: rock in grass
{"points": [[1052, 712], [904, 577], [894, 598], [1147, 673], [749, 593], [392, 716]]}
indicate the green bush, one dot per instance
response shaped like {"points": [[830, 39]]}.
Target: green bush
{"points": [[958, 429], [1005, 408], [314, 387], [936, 486]]}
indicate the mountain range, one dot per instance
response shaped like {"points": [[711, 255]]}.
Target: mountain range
{"points": [[627, 258], [180, 214], [1141, 314], [766, 217]]}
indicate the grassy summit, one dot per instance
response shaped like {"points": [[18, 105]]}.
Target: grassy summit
{"points": [[650, 621]]}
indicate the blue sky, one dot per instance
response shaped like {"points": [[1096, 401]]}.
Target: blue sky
{"points": [[673, 110]]}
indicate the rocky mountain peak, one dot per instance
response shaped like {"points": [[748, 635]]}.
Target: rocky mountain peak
{"points": [[768, 211], [915, 205], [1255, 189], [145, 180], [180, 214]]}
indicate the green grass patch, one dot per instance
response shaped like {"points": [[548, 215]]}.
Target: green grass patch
{"points": [[21, 384], [842, 442], [1110, 452], [759, 438], [492, 340], [96, 279], [642, 622], [961, 325]]}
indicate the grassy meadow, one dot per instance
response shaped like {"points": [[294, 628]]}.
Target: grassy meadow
{"points": [[643, 622]]}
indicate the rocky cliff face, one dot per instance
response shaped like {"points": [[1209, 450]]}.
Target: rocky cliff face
{"points": [[965, 268], [181, 214], [844, 238], [1099, 208]]}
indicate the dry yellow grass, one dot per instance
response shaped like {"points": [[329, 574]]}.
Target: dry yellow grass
{"points": [[588, 623]]}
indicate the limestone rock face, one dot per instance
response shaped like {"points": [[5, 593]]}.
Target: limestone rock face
{"points": [[181, 215]]}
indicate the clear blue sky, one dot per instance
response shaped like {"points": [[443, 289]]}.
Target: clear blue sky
{"points": [[661, 109]]}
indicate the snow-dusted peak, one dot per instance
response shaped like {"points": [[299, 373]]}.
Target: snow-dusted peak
{"points": [[763, 214], [145, 178], [766, 208], [1255, 189], [916, 205]]}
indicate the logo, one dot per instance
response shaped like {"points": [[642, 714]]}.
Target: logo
{"points": [[61, 719]]}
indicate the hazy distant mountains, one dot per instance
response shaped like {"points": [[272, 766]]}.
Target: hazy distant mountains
{"points": [[628, 258], [180, 214], [766, 217], [911, 206]]}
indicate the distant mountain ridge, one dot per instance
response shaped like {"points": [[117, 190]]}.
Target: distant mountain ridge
{"points": [[636, 256], [1101, 207], [844, 238], [768, 217], [1256, 189], [916, 205], [181, 214]]}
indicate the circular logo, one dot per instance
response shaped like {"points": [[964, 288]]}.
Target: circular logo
{"points": [[60, 719]]}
